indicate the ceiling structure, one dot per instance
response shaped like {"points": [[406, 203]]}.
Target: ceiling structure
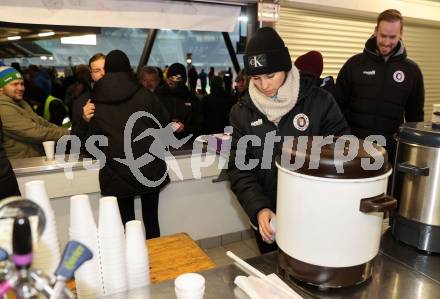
{"points": [[25, 46]]}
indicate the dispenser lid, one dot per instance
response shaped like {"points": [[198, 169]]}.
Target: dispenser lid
{"points": [[422, 133], [337, 158]]}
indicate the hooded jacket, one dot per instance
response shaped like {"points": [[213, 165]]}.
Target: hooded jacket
{"points": [[377, 96], [256, 188], [117, 96], [183, 107], [24, 131]]}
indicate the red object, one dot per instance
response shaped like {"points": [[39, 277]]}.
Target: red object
{"points": [[311, 62]]}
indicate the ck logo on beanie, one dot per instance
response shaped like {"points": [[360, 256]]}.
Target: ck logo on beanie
{"points": [[257, 61]]}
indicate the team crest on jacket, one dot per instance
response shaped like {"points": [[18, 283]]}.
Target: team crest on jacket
{"points": [[399, 76], [301, 122]]}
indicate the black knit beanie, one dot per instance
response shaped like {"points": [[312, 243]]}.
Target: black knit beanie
{"points": [[177, 69], [117, 61], [266, 53]]}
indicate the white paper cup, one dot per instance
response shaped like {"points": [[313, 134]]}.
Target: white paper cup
{"points": [[49, 150], [81, 216], [189, 286], [189, 294]]}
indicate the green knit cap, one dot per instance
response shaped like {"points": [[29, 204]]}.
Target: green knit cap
{"points": [[7, 75]]}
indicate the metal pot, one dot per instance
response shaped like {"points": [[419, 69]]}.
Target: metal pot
{"points": [[416, 186], [329, 224]]}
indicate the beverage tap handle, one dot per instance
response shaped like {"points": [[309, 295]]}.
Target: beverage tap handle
{"points": [[74, 255], [4, 255]]}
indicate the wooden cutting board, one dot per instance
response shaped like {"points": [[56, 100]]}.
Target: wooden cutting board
{"points": [[176, 254]]}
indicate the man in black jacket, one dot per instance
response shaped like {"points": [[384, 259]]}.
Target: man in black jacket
{"points": [[381, 88], [281, 102], [8, 182], [117, 96]]}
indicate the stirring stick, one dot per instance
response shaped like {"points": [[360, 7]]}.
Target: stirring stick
{"points": [[261, 275]]}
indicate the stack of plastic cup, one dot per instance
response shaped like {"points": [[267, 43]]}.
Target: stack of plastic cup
{"points": [[82, 228], [189, 286], [47, 254], [112, 246], [138, 272]]}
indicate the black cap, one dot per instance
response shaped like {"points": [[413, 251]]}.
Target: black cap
{"points": [[177, 69], [266, 53], [117, 61]]}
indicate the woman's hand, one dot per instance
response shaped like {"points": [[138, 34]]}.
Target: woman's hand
{"points": [[266, 231]]}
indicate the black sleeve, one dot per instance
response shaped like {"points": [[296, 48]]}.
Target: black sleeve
{"points": [[80, 127], [416, 101], [195, 125], [343, 85], [244, 183], [57, 112], [333, 121]]}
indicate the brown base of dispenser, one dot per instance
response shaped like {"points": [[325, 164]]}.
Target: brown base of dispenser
{"points": [[324, 277]]}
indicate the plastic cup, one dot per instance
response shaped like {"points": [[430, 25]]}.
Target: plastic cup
{"points": [[189, 286], [81, 216], [109, 216], [49, 150]]}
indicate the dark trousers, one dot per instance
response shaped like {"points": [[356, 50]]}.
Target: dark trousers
{"points": [[150, 204]]}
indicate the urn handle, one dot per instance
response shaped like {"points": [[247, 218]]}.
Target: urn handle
{"points": [[379, 203], [412, 169]]}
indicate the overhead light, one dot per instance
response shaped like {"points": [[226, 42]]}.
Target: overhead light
{"points": [[188, 60], [43, 34], [15, 37], [43, 57], [88, 39], [50, 58], [243, 19]]}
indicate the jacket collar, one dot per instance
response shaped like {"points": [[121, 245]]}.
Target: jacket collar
{"points": [[399, 53]]}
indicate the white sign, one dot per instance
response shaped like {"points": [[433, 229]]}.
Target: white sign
{"points": [[268, 12]]}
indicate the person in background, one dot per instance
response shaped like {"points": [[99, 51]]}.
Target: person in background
{"points": [[117, 96], [184, 108], [203, 81], [241, 85], [227, 79], [8, 181], [23, 130], [381, 87], [83, 109], [216, 107], [312, 62], [82, 84], [150, 78], [193, 76], [282, 101], [211, 74]]}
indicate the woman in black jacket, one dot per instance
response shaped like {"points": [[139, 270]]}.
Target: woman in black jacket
{"points": [[117, 96], [280, 102]]}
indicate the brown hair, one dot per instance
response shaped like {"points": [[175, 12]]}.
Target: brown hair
{"points": [[390, 15], [95, 57]]}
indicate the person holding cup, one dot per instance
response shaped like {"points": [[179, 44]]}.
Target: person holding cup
{"points": [[24, 131]]}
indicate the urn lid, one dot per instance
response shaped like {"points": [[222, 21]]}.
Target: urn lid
{"points": [[344, 157]]}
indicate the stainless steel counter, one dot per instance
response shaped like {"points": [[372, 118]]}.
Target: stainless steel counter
{"points": [[406, 275]]}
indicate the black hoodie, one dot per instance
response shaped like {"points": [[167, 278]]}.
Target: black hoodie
{"points": [[117, 96], [256, 189], [376, 95]]}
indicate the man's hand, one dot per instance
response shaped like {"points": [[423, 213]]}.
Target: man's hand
{"points": [[266, 231], [88, 111]]}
